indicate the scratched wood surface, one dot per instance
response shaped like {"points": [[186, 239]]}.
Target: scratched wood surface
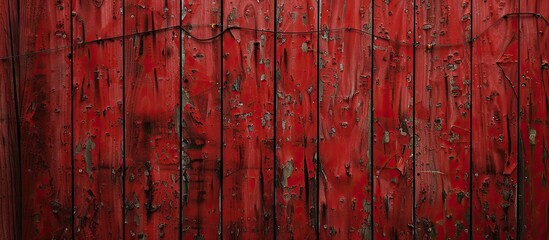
{"points": [[98, 119], [44, 87], [345, 120], [442, 120], [393, 92], [494, 114], [248, 127], [144, 119], [9, 142], [201, 121], [152, 110], [534, 119], [296, 119]]}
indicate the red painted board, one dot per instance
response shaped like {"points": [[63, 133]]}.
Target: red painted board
{"points": [[345, 120], [9, 143], [201, 121], [534, 118], [393, 91], [494, 115], [151, 102], [248, 113], [98, 119], [296, 119], [44, 90], [442, 119]]}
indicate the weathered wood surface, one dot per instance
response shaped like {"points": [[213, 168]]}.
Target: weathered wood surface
{"points": [[345, 120], [534, 120], [393, 92], [44, 89], [442, 119], [152, 116], [201, 121], [98, 124], [248, 127], [296, 119], [9, 141], [495, 101], [335, 119]]}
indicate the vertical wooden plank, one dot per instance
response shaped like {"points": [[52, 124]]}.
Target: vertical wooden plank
{"points": [[534, 118], [494, 115], [442, 119], [44, 90], [296, 118], [345, 120], [201, 121], [393, 119], [248, 130], [98, 119], [152, 146], [10, 186]]}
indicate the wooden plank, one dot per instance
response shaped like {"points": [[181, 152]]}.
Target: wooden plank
{"points": [[10, 185], [248, 128], [98, 119], [201, 121], [442, 119], [296, 119], [152, 141], [534, 118], [44, 80], [494, 114], [345, 120], [393, 120]]}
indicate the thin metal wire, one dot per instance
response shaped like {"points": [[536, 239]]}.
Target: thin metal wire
{"points": [[187, 29]]}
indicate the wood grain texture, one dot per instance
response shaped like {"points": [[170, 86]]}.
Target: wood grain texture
{"points": [[534, 118], [44, 81], [442, 119], [393, 92], [296, 119], [152, 108], [494, 116], [248, 127], [10, 186], [201, 121], [345, 120], [98, 119]]}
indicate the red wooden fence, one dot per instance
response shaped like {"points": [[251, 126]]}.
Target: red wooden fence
{"points": [[280, 119]]}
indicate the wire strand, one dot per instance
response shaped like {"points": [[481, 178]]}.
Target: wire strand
{"points": [[187, 29]]}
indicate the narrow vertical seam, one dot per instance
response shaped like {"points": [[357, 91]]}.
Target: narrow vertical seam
{"points": [[317, 163], [180, 121], [520, 181], [371, 143], [414, 144], [471, 73], [275, 81], [222, 142], [19, 186], [71, 54], [123, 119]]}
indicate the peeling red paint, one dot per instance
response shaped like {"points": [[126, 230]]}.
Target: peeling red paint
{"points": [[44, 90], [201, 122], [152, 145], [274, 119], [345, 121], [296, 120], [393, 90], [442, 120], [98, 120], [534, 119], [248, 127], [494, 175]]}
